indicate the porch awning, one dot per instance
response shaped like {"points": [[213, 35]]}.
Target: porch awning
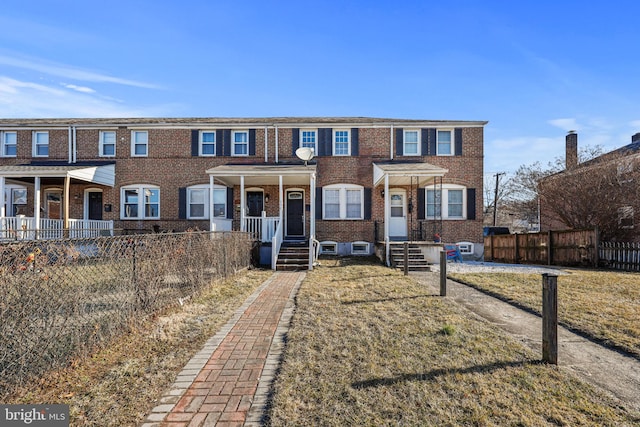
{"points": [[263, 174], [103, 174], [406, 173]]}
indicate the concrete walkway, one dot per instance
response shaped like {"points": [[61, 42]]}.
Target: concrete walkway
{"points": [[616, 374], [227, 383]]}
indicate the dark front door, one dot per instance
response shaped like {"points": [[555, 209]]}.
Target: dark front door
{"points": [[295, 214], [255, 204], [95, 205]]}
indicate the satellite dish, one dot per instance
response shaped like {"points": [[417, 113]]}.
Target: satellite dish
{"points": [[305, 153]]}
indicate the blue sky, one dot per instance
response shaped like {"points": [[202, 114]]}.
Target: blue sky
{"points": [[532, 69]]}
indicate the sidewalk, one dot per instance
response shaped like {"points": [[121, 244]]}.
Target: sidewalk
{"points": [[227, 382], [609, 370]]}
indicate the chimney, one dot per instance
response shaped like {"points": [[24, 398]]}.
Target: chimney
{"points": [[571, 159], [635, 138]]}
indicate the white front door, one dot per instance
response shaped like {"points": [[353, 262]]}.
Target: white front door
{"points": [[398, 219]]}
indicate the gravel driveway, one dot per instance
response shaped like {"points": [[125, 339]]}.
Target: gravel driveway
{"points": [[494, 267]]}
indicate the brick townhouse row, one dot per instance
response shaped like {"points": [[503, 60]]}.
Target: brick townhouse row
{"points": [[363, 182]]}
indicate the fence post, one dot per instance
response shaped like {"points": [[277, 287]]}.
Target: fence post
{"points": [[596, 238], [406, 258], [517, 247], [550, 318], [549, 248], [491, 240], [443, 273]]}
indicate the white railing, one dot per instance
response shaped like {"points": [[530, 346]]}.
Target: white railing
{"points": [[314, 251], [24, 228], [276, 242], [263, 227]]}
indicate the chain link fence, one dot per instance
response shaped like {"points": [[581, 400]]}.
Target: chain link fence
{"points": [[60, 298]]}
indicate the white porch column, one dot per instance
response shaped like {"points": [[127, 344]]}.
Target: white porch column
{"points": [[387, 216], [2, 208], [36, 204], [312, 196], [211, 225], [67, 184], [281, 200], [243, 226]]}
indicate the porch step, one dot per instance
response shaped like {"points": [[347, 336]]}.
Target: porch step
{"points": [[415, 258], [293, 256]]}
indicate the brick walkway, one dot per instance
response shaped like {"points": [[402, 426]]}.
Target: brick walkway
{"points": [[227, 383]]}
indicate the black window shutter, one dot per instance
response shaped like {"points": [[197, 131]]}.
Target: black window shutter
{"points": [[354, 142], [195, 142], [230, 208], [471, 203], [432, 137], [227, 142], [424, 142], [252, 142], [295, 140], [219, 142], [325, 141], [319, 203], [399, 142], [458, 141], [367, 203], [421, 203], [182, 203]]}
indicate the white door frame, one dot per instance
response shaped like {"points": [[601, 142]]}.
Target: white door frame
{"points": [[398, 224]]}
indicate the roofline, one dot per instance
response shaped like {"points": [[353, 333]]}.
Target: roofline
{"points": [[217, 122]]}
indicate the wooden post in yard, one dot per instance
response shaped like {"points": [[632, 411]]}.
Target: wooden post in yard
{"points": [[443, 273], [550, 318], [406, 258]]}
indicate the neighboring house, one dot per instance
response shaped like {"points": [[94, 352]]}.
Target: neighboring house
{"points": [[601, 192], [372, 181]]}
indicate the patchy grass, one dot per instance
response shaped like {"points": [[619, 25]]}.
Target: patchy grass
{"points": [[369, 346], [601, 304], [119, 384]]}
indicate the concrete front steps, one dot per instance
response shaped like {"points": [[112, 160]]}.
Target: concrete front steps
{"points": [[293, 256], [417, 261]]}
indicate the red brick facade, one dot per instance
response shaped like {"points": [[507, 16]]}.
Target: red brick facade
{"points": [[170, 165]]}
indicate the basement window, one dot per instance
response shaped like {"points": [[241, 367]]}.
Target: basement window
{"points": [[466, 248], [359, 248], [328, 248]]}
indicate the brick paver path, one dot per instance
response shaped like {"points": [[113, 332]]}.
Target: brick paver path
{"points": [[230, 378]]}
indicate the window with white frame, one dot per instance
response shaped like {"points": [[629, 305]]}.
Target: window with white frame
{"points": [[343, 201], [40, 144], [341, 142], [444, 142], [240, 139], [449, 202], [207, 143], [359, 248], [197, 206], [107, 143], [140, 202], [625, 216], [329, 248], [9, 144], [308, 138], [139, 143], [411, 143]]}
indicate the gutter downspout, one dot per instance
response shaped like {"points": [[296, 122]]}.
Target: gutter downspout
{"points": [[266, 145], [70, 145], [391, 142], [75, 146], [276, 126]]}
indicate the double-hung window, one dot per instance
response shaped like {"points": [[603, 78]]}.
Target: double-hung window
{"points": [[240, 140], [107, 143], [140, 202], [444, 143], [341, 142], [40, 144], [9, 144], [308, 139], [446, 203], [411, 143], [207, 143], [343, 201], [139, 143], [198, 202]]}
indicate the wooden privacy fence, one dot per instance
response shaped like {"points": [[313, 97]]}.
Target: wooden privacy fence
{"points": [[568, 248]]}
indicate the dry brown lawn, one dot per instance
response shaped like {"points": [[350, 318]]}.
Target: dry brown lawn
{"points": [[601, 304], [370, 347], [119, 384]]}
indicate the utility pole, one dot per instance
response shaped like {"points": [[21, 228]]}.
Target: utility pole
{"points": [[495, 198]]}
